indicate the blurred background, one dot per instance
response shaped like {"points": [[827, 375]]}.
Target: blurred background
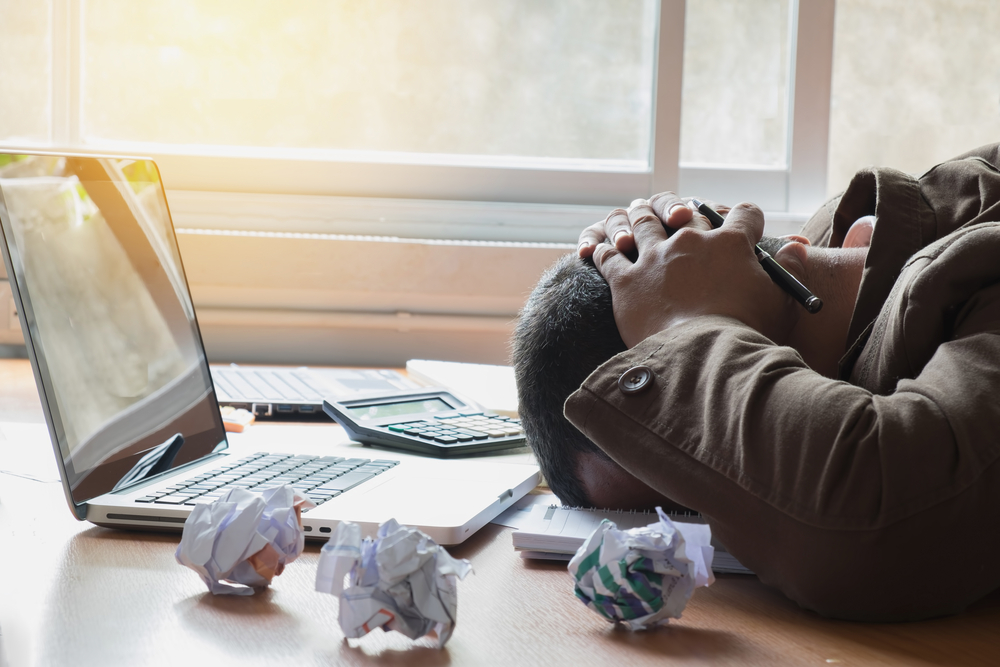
{"points": [[374, 181], [913, 81]]}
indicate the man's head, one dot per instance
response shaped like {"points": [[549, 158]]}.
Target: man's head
{"points": [[565, 331]]}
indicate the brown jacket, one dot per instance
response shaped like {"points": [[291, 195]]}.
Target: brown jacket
{"points": [[876, 497]]}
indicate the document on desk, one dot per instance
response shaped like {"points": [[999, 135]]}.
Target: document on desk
{"points": [[490, 386], [555, 533]]}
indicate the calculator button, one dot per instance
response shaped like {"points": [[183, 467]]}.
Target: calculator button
{"points": [[428, 436], [496, 434], [413, 431], [465, 438], [397, 429], [446, 439]]}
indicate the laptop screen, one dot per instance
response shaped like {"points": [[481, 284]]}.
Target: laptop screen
{"points": [[111, 329]]}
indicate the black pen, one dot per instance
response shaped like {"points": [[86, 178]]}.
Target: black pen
{"points": [[779, 275]]}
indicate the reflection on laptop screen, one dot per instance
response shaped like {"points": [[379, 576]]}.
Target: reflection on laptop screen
{"points": [[110, 319]]}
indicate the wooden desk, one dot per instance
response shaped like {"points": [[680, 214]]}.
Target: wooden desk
{"points": [[75, 594]]}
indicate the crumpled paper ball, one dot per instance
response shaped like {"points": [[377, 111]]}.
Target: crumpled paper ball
{"points": [[644, 576], [244, 539], [402, 580]]}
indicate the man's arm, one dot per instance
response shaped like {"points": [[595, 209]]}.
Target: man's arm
{"points": [[850, 502]]}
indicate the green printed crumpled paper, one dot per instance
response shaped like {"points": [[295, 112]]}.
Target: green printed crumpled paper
{"points": [[644, 576]]}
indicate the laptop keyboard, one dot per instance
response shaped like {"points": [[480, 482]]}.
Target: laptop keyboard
{"points": [[319, 478], [265, 385]]}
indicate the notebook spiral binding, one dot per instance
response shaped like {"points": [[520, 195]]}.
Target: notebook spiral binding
{"points": [[686, 517]]}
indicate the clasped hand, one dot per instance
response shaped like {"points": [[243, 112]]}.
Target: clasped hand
{"points": [[666, 265]]}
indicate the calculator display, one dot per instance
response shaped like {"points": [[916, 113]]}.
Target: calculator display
{"points": [[365, 412]]}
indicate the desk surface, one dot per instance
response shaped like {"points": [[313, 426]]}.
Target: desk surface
{"points": [[76, 594]]}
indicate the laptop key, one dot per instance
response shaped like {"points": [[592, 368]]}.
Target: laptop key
{"points": [[172, 500], [375, 470], [345, 482]]}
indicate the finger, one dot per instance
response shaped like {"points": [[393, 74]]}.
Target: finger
{"points": [[589, 238], [746, 219], [672, 210], [610, 261], [618, 229], [646, 226]]}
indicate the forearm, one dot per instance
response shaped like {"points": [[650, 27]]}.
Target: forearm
{"points": [[727, 404]]}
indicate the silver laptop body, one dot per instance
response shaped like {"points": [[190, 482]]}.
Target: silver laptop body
{"points": [[127, 392]]}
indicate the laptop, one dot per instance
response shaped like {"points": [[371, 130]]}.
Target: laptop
{"points": [[270, 391], [129, 401]]}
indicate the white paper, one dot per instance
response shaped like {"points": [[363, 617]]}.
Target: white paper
{"points": [[402, 580], [645, 576], [220, 537]]}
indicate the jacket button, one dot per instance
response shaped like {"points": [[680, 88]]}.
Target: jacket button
{"points": [[635, 380]]}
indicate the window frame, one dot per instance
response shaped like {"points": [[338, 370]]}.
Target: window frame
{"points": [[799, 187]]}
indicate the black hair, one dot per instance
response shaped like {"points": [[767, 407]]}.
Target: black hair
{"points": [[565, 331]]}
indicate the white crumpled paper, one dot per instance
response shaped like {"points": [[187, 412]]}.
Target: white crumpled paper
{"points": [[243, 538], [402, 580], [644, 576]]}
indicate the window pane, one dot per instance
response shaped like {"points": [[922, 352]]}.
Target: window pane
{"points": [[25, 72], [479, 77], [735, 92], [915, 82]]}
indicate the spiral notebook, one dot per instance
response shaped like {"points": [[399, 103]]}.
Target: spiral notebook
{"points": [[555, 533]]}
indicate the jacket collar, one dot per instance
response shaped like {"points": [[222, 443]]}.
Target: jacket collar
{"points": [[904, 223]]}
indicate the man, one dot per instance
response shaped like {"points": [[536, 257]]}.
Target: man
{"points": [[565, 331], [850, 458]]}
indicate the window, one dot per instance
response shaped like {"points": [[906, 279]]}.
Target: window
{"points": [[449, 124], [559, 102], [457, 124]]}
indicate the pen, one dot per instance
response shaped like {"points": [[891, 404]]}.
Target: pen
{"points": [[779, 275]]}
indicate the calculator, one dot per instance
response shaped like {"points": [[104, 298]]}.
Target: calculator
{"points": [[430, 421]]}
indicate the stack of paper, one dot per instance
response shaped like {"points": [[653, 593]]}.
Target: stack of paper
{"points": [[555, 533], [492, 387]]}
